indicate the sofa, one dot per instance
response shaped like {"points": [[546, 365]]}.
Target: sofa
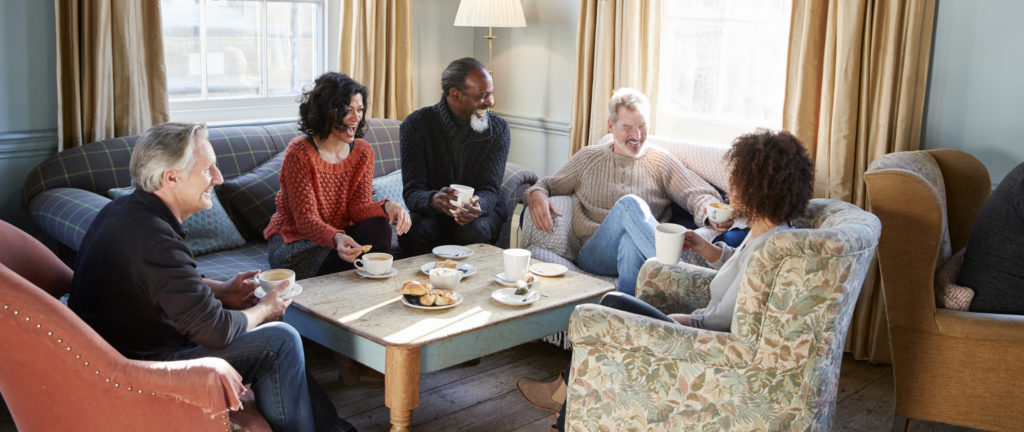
{"points": [[777, 369], [64, 193], [562, 246]]}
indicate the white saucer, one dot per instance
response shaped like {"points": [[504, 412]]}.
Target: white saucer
{"points": [[415, 306], [294, 291], [366, 274], [531, 280], [466, 269], [548, 269], [508, 296], [452, 251]]}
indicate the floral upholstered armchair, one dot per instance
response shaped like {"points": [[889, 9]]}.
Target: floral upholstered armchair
{"points": [[777, 370]]}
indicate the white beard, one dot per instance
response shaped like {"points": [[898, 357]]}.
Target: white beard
{"points": [[480, 124]]}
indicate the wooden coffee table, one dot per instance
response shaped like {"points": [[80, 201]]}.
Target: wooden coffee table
{"points": [[365, 319]]}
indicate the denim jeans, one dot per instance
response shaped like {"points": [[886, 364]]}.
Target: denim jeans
{"points": [[270, 358], [622, 243]]}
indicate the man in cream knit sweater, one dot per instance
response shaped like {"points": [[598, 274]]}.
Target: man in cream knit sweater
{"points": [[620, 192]]}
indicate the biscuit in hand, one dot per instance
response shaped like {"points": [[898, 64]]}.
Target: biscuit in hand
{"points": [[366, 248]]}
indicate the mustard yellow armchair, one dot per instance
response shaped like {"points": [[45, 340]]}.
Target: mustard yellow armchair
{"points": [[955, 367], [778, 368]]}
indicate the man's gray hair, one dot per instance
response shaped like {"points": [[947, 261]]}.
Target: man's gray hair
{"points": [[630, 98], [163, 147]]}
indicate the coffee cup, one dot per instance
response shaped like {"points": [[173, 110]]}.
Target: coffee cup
{"points": [[376, 263], [516, 261], [668, 242], [271, 279], [719, 212], [465, 194], [445, 278]]}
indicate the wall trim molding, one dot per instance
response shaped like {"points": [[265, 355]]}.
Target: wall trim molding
{"points": [[536, 124], [38, 142]]}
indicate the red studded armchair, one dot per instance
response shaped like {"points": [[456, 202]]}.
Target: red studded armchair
{"points": [[59, 374]]}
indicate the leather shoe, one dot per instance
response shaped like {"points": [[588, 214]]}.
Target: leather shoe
{"points": [[548, 396]]}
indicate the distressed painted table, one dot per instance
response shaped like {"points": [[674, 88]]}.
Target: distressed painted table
{"points": [[364, 319]]}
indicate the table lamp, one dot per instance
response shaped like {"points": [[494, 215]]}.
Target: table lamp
{"points": [[490, 14]]}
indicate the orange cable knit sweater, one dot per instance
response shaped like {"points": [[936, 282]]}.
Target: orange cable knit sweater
{"points": [[319, 199]]}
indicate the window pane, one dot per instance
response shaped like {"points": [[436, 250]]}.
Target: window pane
{"points": [[233, 67], [291, 47], [723, 67], [180, 21]]}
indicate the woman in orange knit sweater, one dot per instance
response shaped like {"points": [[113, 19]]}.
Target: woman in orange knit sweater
{"points": [[324, 210]]}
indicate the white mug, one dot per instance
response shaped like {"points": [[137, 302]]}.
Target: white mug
{"points": [[376, 263], [516, 261], [719, 212], [465, 194], [668, 242]]}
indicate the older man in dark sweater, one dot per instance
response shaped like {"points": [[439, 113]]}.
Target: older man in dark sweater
{"points": [[137, 285], [456, 141]]}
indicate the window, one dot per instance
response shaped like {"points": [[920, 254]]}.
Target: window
{"points": [[240, 60], [723, 68]]}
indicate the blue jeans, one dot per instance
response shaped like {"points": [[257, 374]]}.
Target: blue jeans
{"points": [[622, 243], [270, 358]]}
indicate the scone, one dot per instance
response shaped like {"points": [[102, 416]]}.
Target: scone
{"points": [[443, 297], [428, 299], [446, 264], [412, 291]]}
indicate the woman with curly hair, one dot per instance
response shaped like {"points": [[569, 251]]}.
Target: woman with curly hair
{"points": [[324, 210], [770, 182]]}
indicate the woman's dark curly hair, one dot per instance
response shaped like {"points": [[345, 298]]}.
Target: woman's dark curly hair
{"points": [[771, 176], [322, 108]]}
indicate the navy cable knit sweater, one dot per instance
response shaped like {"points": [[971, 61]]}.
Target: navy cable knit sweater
{"points": [[430, 161]]}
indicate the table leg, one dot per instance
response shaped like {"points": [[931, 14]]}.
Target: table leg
{"points": [[401, 385]]}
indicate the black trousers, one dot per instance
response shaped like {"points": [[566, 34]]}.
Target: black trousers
{"points": [[429, 231]]}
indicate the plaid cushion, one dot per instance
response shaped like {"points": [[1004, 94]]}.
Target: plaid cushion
{"points": [[513, 185], [210, 230], [66, 213], [252, 195], [390, 187], [382, 135], [225, 265]]}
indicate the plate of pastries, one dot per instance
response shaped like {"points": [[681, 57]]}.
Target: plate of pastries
{"points": [[417, 295], [466, 269]]}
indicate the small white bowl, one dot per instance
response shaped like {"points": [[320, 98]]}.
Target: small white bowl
{"points": [[445, 278]]}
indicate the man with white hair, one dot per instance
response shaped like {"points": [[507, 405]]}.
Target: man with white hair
{"points": [[456, 141], [137, 285], [620, 192]]}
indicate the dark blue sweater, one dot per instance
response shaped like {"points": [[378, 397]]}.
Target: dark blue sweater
{"points": [[437, 150]]}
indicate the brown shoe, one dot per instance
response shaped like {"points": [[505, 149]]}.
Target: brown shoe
{"points": [[548, 396]]}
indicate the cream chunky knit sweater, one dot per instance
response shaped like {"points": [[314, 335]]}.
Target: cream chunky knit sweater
{"points": [[597, 177]]}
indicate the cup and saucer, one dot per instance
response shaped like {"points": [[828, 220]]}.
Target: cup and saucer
{"points": [[273, 278], [375, 265]]}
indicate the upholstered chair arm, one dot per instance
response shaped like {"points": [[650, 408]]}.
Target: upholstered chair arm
{"points": [[679, 288], [981, 326], [209, 383], [606, 336], [66, 213], [561, 240]]}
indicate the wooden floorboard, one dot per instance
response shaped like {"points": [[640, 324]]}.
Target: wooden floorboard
{"points": [[483, 397]]}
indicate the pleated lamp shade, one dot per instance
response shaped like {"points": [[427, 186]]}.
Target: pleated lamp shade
{"points": [[490, 13]]}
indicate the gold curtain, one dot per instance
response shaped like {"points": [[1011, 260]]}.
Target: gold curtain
{"points": [[376, 50], [617, 45], [110, 69], [855, 88]]}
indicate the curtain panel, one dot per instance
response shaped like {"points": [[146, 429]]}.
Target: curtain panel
{"points": [[617, 45], [855, 87], [111, 79], [376, 50]]}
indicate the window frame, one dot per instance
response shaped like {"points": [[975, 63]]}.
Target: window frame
{"points": [[218, 111], [711, 129]]}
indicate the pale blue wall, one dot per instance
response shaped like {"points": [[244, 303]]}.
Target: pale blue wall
{"points": [[975, 93], [28, 99]]}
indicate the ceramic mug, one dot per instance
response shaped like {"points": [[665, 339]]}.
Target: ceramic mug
{"points": [[376, 263]]}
